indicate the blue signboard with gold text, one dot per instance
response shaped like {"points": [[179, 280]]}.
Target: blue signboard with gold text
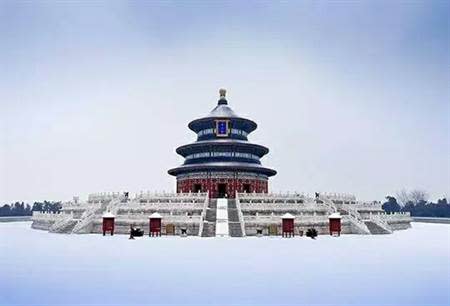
{"points": [[222, 128]]}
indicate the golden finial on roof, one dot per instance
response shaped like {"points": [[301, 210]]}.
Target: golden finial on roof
{"points": [[222, 92]]}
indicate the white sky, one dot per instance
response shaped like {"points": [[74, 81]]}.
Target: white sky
{"points": [[349, 98]]}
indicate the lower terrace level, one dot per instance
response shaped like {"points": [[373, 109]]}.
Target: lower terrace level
{"points": [[248, 214]]}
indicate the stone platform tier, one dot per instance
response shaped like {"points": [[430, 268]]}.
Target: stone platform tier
{"points": [[263, 212], [247, 214], [178, 211]]}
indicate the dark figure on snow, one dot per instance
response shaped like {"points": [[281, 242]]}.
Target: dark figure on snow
{"points": [[131, 231]]}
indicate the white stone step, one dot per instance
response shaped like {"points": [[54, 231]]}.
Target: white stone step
{"points": [[222, 229]]}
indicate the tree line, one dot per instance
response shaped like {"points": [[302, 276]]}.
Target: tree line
{"points": [[22, 209], [416, 202]]}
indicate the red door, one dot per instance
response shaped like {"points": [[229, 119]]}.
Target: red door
{"points": [[335, 226], [108, 225], [155, 225], [288, 225]]}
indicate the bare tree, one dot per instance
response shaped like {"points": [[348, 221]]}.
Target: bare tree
{"points": [[402, 197], [414, 196], [418, 195]]}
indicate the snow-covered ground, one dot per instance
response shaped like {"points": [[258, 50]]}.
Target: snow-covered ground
{"points": [[410, 267]]}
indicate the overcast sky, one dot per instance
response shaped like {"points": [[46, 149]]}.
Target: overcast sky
{"points": [[349, 96]]}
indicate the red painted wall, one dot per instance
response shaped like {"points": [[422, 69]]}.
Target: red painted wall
{"points": [[233, 185]]}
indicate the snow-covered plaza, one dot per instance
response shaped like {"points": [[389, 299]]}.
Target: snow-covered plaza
{"points": [[409, 267]]}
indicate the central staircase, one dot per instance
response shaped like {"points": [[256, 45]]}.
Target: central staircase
{"points": [[234, 224]]}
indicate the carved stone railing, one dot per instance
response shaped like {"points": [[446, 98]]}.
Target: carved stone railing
{"points": [[143, 218], [171, 197], [300, 198], [94, 212], [273, 198], [105, 197], [379, 220], [240, 215], [203, 215], [368, 208], [277, 219], [163, 205], [355, 218], [398, 216], [328, 203], [153, 197], [288, 195], [46, 216], [333, 196], [86, 218], [61, 223], [311, 207], [80, 206], [352, 214]]}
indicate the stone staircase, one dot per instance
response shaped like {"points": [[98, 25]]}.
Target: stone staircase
{"points": [[69, 226], [355, 218], [84, 225], [63, 226], [209, 225], [376, 229], [233, 219], [380, 222], [235, 229]]}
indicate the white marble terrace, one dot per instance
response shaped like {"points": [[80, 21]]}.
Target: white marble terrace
{"points": [[189, 209]]}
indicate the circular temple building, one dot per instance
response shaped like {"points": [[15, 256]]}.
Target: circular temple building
{"points": [[222, 161]]}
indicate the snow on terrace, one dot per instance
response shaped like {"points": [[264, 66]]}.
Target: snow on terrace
{"points": [[409, 267], [222, 229]]}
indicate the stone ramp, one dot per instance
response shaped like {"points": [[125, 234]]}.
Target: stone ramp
{"points": [[233, 215], [232, 204], [234, 224], [211, 215], [209, 229], [235, 229], [375, 229], [63, 226], [209, 225]]}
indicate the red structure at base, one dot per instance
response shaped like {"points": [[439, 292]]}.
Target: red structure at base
{"points": [[288, 225], [155, 225], [335, 224], [218, 187], [108, 223]]}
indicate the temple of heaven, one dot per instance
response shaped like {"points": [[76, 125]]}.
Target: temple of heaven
{"points": [[222, 161]]}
